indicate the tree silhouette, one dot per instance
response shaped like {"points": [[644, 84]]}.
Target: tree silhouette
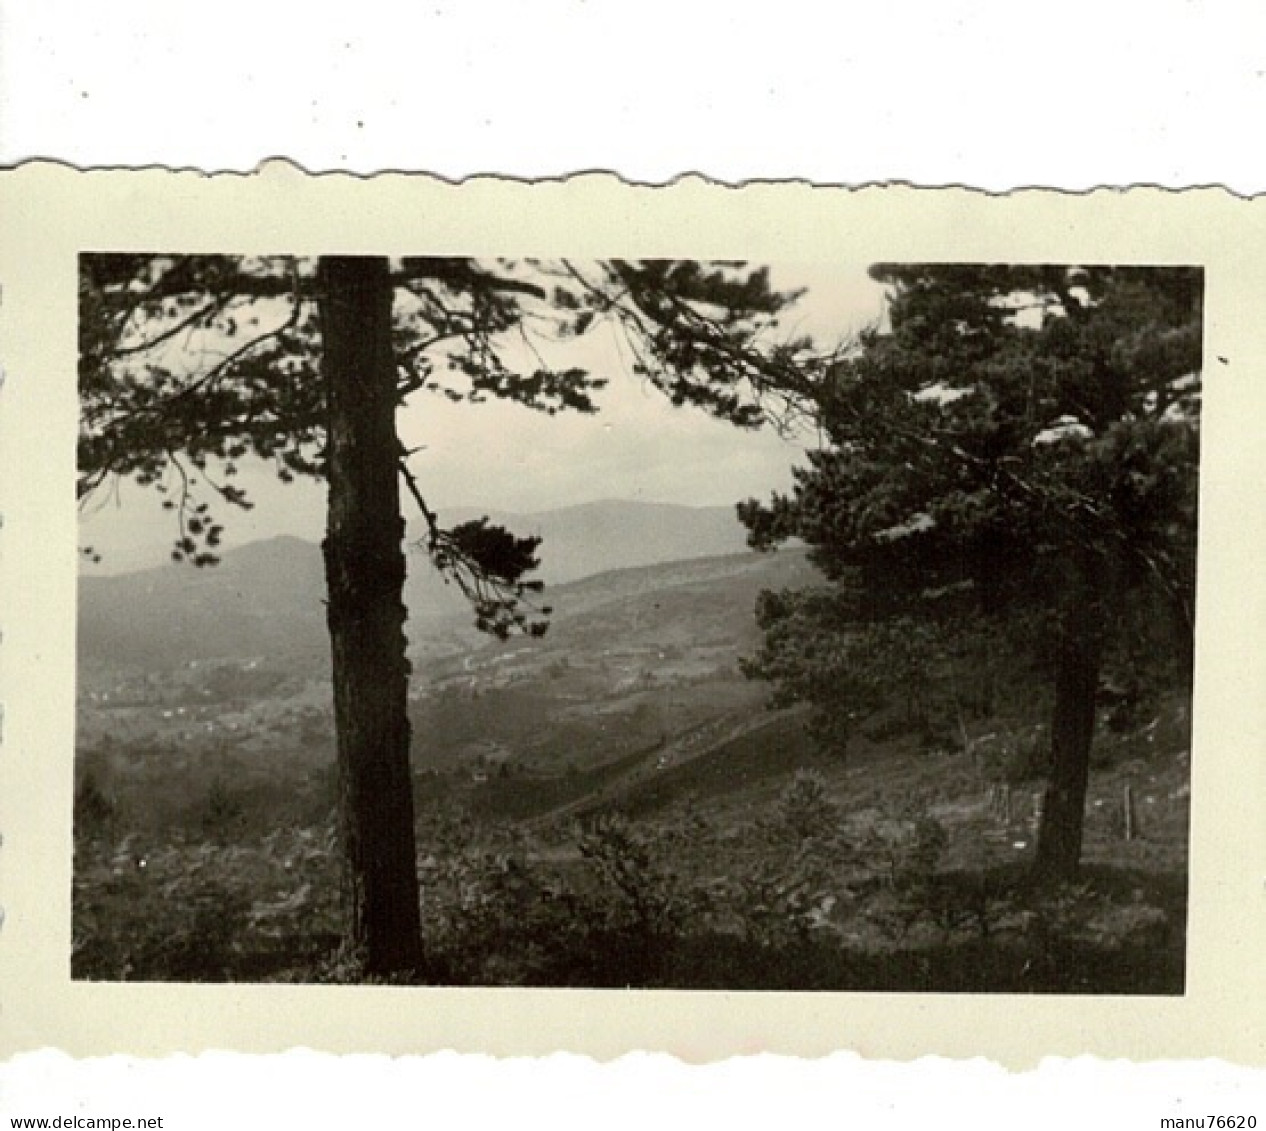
{"points": [[192, 364], [1017, 441]]}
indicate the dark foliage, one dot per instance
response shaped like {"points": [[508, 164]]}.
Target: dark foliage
{"points": [[1015, 451]]}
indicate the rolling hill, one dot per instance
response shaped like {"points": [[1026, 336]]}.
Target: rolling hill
{"points": [[638, 674], [266, 598]]}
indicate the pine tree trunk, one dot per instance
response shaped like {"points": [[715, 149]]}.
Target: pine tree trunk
{"points": [[1077, 671], [365, 571]]}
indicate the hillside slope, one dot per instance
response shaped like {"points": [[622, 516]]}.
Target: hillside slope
{"points": [[267, 598]]}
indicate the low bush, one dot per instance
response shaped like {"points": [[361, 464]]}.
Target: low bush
{"points": [[194, 910]]}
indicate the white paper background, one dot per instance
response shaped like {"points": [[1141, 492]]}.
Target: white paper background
{"points": [[989, 94]]}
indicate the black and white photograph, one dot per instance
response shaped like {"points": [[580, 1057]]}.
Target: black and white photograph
{"points": [[635, 623], [574, 563]]}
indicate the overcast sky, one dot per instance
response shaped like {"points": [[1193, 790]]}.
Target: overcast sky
{"points": [[504, 457]]}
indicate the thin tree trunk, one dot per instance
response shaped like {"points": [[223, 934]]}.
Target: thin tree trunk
{"points": [[365, 571], [1078, 664]]}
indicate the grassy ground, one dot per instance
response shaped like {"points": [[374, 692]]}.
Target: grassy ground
{"points": [[751, 863]]}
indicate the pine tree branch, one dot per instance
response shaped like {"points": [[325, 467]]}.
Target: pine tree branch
{"points": [[462, 274]]}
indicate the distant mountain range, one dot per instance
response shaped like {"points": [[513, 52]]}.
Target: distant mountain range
{"points": [[579, 541], [266, 598]]}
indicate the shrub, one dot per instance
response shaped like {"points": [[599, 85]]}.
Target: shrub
{"points": [[223, 811], [95, 806], [804, 810], [190, 910]]}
